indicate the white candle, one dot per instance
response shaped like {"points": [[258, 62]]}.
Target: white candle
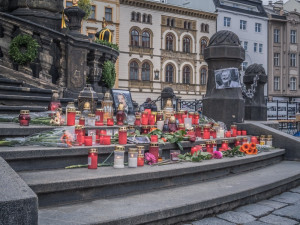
{"points": [[221, 133], [132, 162], [119, 163], [160, 124]]}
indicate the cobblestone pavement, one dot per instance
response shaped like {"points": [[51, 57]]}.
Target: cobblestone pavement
{"points": [[282, 209]]}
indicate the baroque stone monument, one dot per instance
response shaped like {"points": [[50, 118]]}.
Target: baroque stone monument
{"points": [[224, 104], [255, 107]]}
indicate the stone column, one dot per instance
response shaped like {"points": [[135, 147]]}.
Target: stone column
{"points": [[256, 107], [226, 105]]}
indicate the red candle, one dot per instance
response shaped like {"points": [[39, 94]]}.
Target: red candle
{"points": [[71, 117], [154, 138], [145, 118], [206, 131], [181, 126], [244, 132], [245, 140], [110, 121], [237, 142], [224, 145], [214, 145], [254, 140], [93, 159], [140, 160], [159, 116], [148, 111], [106, 140], [183, 117], [154, 149], [24, 118], [78, 134], [228, 134], [88, 141], [53, 106], [194, 149], [213, 133], [233, 130], [179, 117], [198, 131], [209, 147], [137, 121], [122, 135], [239, 133], [82, 121], [99, 117], [196, 118], [151, 120]]}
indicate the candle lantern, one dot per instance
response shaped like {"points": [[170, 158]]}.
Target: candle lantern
{"points": [[77, 117], [214, 145], [254, 140], [122, 135], [233, 130], [196, 118], [224, 145], [154, 149], [91, 120], [172, 124], [93, 159], [110, 121], [99, 117], [159, 116], [132, 157], [151, 120], [71, 114], [245, 140], [141, 159], [120, 115], [90, 96], [119, 157], [107, 107], [24, 118], [238, 142], [213, 133], [82, 121], [137, 121], [206, 131], [209, 147], [269, 141], [145, 118], [262, 140], [168, 107]]}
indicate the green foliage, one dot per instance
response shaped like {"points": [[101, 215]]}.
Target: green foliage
{"points": [[233, 152], [106, 43], [109, 74], [86, 6], [23, 49], [196, 157]]}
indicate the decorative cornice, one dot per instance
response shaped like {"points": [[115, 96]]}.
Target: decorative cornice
{"points": [[170, 9]]}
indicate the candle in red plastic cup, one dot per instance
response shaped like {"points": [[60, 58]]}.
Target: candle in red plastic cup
{"points": [[88, 140], [93, 159], [110, 121], [122, 135], [244, 132], [228, 134], [239, 133], [106, 140], [154, 138]]}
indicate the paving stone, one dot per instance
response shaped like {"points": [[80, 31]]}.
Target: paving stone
{"points": [[212, 221], [255, 209], [292, 212], [297, 190], [272, 219], [287, 197], [256, 223], [237, 217], [272, 204]]}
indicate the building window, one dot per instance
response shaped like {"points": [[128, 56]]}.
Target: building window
{"points": [[172, 22], [146, 72], [108, 14], [206, 28], [203, 46], [257, 27], [227, 21], [149, 19], [186, 45], [135, 38], [186, 75], [203, 74], [276, 59], [93, 13], [293, 36], [276, 83], [146, 39], [144, 18], [276, 35], [169, 42], [246, 45], [243, 24], [260, 48], [189, 25], [293, 84], [293, 60], [244, 66], [169, 73], [138, 17], [134, 71], [168, 22], [255, 47], [133, 15]]}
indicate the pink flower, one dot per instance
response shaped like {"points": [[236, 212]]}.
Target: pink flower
{"points": [[217, 155], [150, 158]]}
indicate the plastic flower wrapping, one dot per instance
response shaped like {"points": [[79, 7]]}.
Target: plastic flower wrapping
{"points": [[150, 158]]}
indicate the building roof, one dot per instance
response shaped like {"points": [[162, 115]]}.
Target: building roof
{"points": [[251, 7]]}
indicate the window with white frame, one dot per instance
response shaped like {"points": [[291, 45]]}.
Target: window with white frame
{"points": [[293, 36], [260, 48], [244, 66], [293, 84], [255, 47], [257, 27], [227, 21], [276, 83], [243, 24], [276, 59], [293, 60], [203, 76], [276, 35], [246, 45]]}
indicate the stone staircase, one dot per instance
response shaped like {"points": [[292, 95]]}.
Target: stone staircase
{"points": [[165, 194]]}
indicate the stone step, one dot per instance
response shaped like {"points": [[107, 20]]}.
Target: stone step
{"points": [[65, 186], [11, 90], [16, 109], [9, 82], [179, 204], [26, 158]]}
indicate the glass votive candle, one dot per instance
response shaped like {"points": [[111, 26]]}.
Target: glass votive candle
{"points": [[213, 133], [233, 129], [91, 120], [24, 118], [154, 150], [82, 121], [123, 135], [145, 118], [209, 147], [71, 116], [151, 119], [214, 145], [244, 132], [78, 134], [106, 140], [159, 116], [228, 134], [224, 145], [110, 121], [191, 115], [181, 126], [154, 138], [141, 149], [132, 157], [141, 159], [196, 118], [137, 121], [99, 117], [160, 124], [145, 129], [206, 131], [238, 142], [239, 133], [88, 141], [93, 159], [119, 157], [254, 140], [269, 140], [188, 123]]}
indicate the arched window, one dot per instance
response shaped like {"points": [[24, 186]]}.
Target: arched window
{"points": [[138, 17], [144, 18], [203, 76], [169, 42], [168, 22], [146, 71], [146, 39], [207, 28], [134, 38], [149, 19], [134, 71], [186, 75], [169, 73], [203, 46], [133, 16], [186, 45], [172, 23]]}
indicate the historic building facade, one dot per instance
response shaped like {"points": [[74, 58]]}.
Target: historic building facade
{"points": [[284, 46], [162, 45]]}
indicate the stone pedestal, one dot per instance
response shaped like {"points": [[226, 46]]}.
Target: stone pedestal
{"points": [[256, 107], [226, 105], [75, 16]]}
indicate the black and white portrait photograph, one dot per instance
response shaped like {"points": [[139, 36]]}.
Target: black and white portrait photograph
{"points": [[227, 78], [122, 96]]}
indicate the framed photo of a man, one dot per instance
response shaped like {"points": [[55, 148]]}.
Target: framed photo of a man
{"points": [[227, 78], [123, 96]]}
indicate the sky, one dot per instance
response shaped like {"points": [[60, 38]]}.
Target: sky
{"points": [[265, 2]]}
